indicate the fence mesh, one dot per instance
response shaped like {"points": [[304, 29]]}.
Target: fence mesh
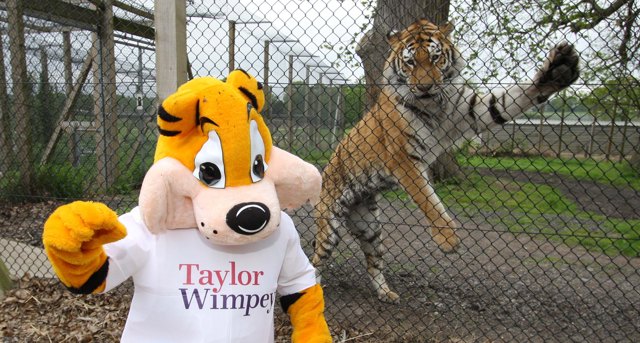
{"points": [[547, 205]]}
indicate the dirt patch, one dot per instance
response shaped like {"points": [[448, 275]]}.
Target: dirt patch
{"points": [[498, 286]]}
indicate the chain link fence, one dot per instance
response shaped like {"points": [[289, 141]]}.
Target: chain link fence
{"points": [[548, 205]]}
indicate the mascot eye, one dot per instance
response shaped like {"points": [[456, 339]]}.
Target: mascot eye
{"points": [[209, 164], [210, 173], [258, 165]]}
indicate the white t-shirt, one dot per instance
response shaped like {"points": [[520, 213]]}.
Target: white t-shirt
{"points": [[189, 290]]}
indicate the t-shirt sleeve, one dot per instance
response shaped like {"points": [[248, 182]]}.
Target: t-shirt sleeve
{"points": [[129, 254], [297, 273]]}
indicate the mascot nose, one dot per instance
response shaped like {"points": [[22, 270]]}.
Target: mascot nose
{"points": [[248, 218]]}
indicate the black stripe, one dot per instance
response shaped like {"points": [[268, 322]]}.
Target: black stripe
{"points": [[205, 120], [415, 157], [471, 113], [542, 98], [244, 72], [168, 133], [94, 281], [287, 300], [197, 112], [254, 100], [416, 110], [460, 94], [164, 115], [495, 114], [417, 142]]}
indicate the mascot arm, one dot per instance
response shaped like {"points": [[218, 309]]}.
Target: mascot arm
{"points": [[73, 237], [306, 310], [302, 297]]}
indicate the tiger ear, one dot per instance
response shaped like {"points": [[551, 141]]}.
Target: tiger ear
{"points": [[447, 28], [393, 36]]}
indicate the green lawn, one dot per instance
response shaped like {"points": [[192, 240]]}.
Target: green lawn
{"points": [[541, 210], [607, 172]]}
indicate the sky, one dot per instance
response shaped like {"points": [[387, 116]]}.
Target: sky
{"points": [[312, 23]]}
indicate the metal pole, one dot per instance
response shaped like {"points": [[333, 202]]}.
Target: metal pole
{"points": [[307, 91], [562, 114], [232, 45], [265, 76], [290, 104]]}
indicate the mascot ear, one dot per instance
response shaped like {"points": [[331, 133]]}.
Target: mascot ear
{"points": [[180, 112], [249, 86], [296, 181], [165, 196]]}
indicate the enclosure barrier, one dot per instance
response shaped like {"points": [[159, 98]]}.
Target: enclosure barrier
{"points": [[548, 205]]}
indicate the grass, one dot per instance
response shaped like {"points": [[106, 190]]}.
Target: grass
{"points": [[541, 210], [606, 172]]}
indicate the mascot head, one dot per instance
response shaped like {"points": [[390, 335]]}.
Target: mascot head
{"points": [[215, 168]]}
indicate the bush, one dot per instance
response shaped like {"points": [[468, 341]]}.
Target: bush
{"points": [[61, 180]]}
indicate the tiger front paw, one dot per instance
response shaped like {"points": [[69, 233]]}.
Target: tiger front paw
{"points": [[446, 238], [559, 70], [73, 237]]}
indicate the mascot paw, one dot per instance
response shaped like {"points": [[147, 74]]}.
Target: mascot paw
{"points": [[73, 237], [306, 310]]}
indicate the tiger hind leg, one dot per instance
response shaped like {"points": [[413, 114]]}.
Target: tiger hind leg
{"points": [[364, 224], [327, 236]]}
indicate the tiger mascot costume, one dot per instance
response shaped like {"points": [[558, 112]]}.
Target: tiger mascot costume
{"points": [[208, 247], [420, 112]]}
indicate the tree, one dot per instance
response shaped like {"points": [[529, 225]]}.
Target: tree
{"points": [[617, 99], [522, 27]]}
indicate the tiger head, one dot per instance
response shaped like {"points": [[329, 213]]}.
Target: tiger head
{"points": [[422, 59], [215, 167]]}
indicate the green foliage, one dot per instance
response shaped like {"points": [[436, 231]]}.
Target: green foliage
{"points": [[354, 103], [523, 31], [50, 180], [61, 180], [274, 104], [131, 176], [618, 98]]}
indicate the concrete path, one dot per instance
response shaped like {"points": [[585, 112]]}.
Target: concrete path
{"points": [[23, 259]]}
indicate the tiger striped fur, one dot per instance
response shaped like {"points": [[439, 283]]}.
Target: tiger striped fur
{"points": [[420, 113]]}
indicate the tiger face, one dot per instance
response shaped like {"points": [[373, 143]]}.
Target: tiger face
{"points": [[422, 58]]}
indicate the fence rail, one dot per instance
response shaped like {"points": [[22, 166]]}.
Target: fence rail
{"points": [[548, 210], [588, 139]]}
